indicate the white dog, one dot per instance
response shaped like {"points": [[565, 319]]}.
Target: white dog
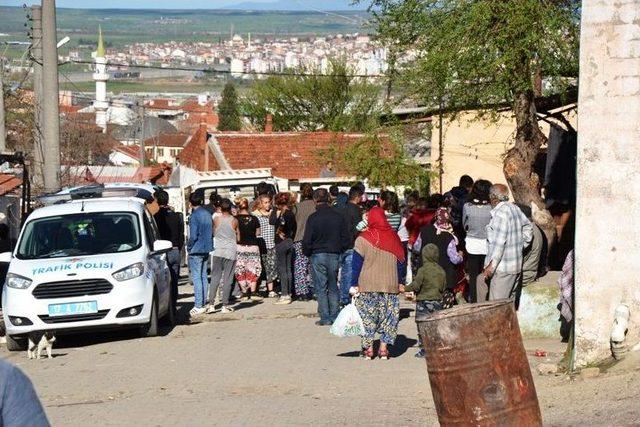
{"points": [[44, 342]]}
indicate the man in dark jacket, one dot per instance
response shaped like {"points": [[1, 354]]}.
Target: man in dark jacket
{"points": [[458, 197], [325, 238], [171, 228], [353, 215]]}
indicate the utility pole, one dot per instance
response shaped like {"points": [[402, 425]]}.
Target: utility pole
{"points": [[50, 106], [140, 111], [3, 133], [36, 54]]}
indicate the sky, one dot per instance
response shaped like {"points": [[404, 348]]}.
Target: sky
{"points": [[177, 4]]}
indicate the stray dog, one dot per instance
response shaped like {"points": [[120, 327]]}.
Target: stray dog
{"points": [[44, 341]]}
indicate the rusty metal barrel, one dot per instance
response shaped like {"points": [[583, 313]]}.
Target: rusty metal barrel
{"points": [[478, 367]]}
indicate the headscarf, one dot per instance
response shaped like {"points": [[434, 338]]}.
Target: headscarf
{"points": [[443, 221], [380, 234]]}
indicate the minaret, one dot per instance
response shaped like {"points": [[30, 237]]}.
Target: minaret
{"points": [[100, 77]]}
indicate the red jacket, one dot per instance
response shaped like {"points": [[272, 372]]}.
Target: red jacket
{"points": [[416, 220]]}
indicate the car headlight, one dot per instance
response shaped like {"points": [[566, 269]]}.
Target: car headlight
{"points": [[130, 272], [18, 282]]}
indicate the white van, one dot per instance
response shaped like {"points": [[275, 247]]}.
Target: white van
{"points": [[87, 262], [236, 183]]}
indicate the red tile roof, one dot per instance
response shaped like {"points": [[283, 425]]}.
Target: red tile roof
{"points": [[196, 153], [80, 175], [8, 183], [167, 140], [65, 109], [156, 174], [132, 151], [162, 103], [191, 105], [289, 155], [193, 120]]}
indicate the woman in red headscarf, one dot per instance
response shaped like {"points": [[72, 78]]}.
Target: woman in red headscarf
{"points": [[379, 268]]}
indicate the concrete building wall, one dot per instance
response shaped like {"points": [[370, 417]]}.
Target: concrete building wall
{"points": [[471, 146], [607, 233], [475, 146]]}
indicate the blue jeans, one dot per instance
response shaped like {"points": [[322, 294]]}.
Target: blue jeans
{"points": [[198, 272], [346, 273], [324, 268]]}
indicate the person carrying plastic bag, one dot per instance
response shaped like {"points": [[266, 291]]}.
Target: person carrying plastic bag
{"points": [[348, 323]]}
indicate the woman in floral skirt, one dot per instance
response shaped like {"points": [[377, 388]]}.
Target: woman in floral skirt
{"points": [[302, 280], [378, 273], [248, 265]]}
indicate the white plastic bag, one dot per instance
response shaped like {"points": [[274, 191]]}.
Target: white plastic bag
{"points": [[348, 323]]}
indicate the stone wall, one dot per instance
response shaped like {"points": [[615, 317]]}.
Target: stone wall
{"points": [[608, 208]]}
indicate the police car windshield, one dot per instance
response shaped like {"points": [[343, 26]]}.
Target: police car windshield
{"points": [[79, 234]]}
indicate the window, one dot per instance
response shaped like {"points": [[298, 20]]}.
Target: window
{"points": [[150, 229], [80, 234], [160, 152]]}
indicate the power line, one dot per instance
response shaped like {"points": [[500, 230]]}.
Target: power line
{"points": [[120, 103], [117, 102], [227, 72]]}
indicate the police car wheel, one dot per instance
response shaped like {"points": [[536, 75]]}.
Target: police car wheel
{"points": [[151, 328], [15, 344], [169, 319]]}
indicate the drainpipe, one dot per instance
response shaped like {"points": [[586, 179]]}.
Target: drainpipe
{"points": [[619, 331]]}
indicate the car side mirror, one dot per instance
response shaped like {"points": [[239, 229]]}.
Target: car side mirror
{"points": [[162, 246], [6, 257]]}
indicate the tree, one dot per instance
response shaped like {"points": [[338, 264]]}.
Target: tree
{"points": [[380, 158], [308, 100], [484, 55], [228, 111], [81, 142]]}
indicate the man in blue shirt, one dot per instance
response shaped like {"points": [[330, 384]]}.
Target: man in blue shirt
{"points": [[199, 245], [19, 404]]}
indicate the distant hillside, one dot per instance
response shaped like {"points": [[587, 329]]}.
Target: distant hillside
{"points": [[122, 26], [299, 5]]}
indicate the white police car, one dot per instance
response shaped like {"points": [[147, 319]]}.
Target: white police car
{"points": [[90, 260]]}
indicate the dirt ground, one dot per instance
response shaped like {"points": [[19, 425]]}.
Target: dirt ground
{"points": [[270, 365]]}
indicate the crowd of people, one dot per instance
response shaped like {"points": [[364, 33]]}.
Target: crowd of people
{"points": [[468, 245]]}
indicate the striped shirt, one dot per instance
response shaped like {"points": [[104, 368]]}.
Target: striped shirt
{"points": [[508, 233], [394, 220]]}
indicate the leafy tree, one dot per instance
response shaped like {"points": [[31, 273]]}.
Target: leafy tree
{"points": [[228, 110], [484, 55], [81, 142], [379, 157], [307, 100]]}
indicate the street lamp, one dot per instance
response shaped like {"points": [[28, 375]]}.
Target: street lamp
{"points": [[62, 42]]}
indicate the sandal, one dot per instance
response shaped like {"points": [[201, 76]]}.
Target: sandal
{"points": [[383, 354], [368, 353]]}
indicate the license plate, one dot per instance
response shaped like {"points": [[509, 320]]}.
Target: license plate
{"points": [[71, 308]]}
